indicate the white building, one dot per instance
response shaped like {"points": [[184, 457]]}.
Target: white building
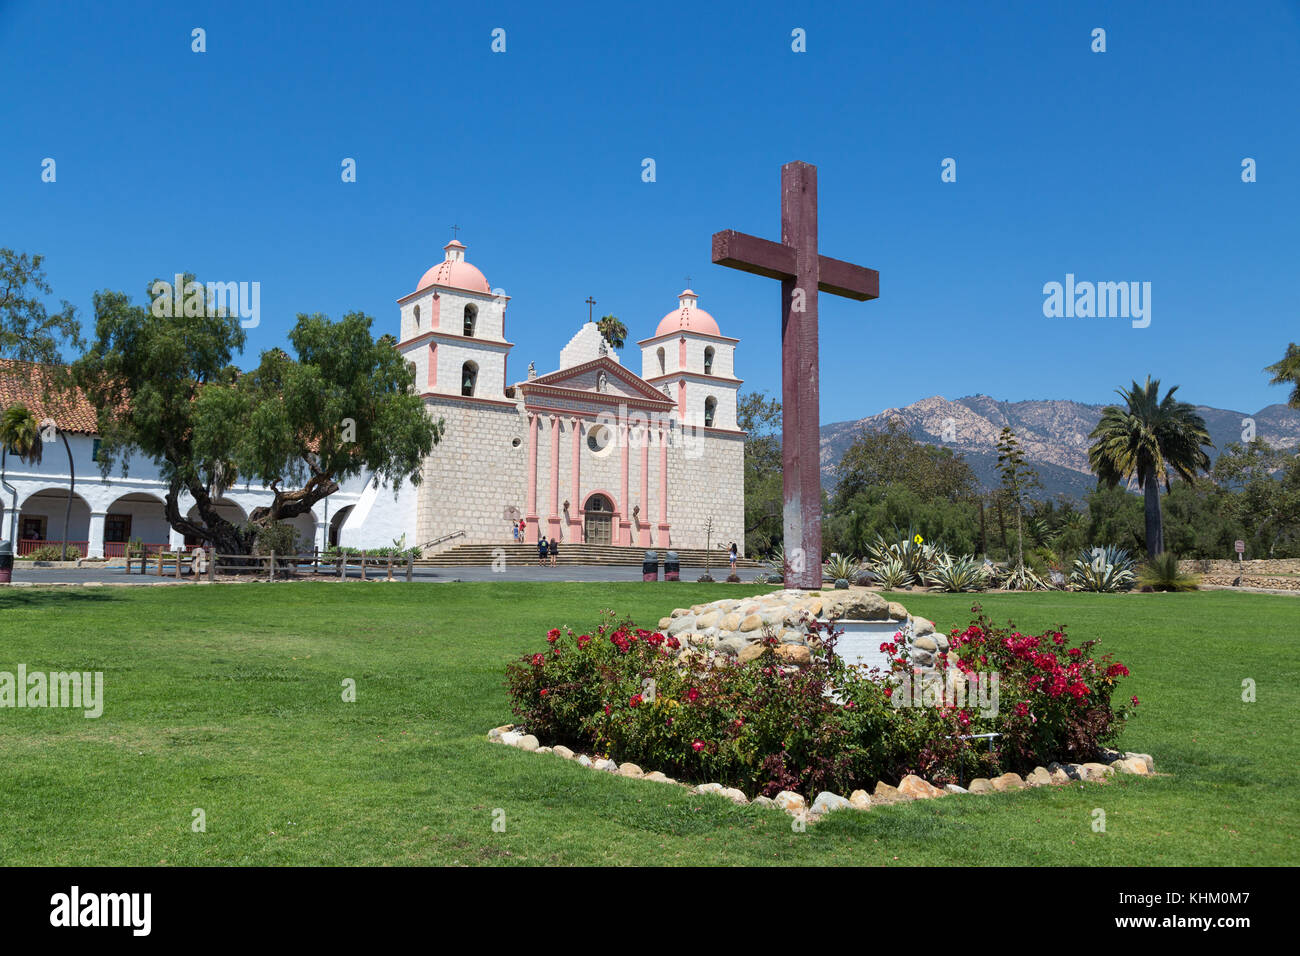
{"points": [[588, 452]]}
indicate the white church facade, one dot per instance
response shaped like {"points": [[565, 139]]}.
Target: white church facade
{"points": [[590, 452]]}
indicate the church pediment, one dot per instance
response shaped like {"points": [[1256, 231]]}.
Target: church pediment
{"points": [[601, 377]]}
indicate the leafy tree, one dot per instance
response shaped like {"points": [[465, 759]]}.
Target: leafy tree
{"points": [[1145, 440], [1017, 479], [760, 418], [1115, 518], [1287, 372], [890, 456], [27, 331], [1265, 502], [613, 331], [164, 386]]}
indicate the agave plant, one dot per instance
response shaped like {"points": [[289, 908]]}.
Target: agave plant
{"points": [[918, 559], [1162, 573], [961, 574], [891, 575], [1021, 578], [839, 567], [1103, 569]]}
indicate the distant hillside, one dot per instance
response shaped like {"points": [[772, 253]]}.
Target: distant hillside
{"points": [[1053, 432]]}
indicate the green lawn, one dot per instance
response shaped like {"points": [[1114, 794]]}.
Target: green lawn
{"points": [[228, 698]]}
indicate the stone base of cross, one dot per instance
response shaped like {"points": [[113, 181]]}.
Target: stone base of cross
{"points": [[803, 273]]}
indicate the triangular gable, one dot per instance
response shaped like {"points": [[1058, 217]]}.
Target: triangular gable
{"points": [[568, 377]]}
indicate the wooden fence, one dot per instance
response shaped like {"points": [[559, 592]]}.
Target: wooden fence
{"points": [[268, 567]]}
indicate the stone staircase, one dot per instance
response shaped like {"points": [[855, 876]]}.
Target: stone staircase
{"points": [[482, 555]]}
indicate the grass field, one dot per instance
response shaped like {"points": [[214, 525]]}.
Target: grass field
{"points": [[228, 698]]}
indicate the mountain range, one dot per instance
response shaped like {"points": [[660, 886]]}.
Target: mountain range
{"points": [[1053, 433]]}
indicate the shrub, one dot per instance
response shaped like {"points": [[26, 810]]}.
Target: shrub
{"points": [[1054, 699], [631, 694], [962, 574], [1103, 569], [53, 552], [1162, 573], [840, 566], [891, 575]]}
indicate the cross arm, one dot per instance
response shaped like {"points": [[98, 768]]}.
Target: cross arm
{"points": [[775, 260], [844, 278], [750, 254]]}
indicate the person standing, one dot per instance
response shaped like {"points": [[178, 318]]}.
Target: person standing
{"points": [[554, 548], [541, 551], [732, 557]]}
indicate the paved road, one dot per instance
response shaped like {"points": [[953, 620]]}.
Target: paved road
{"points": [[512, 572]]}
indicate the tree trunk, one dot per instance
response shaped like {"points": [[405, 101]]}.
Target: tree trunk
{"points": [[72, 490], [1002, 523], [984, 544], [1154, 519]]}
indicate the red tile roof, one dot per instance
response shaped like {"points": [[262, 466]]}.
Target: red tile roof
{"points": [[24, 382]]}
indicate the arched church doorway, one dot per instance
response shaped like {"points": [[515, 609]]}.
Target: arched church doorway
{"points": [[598, 520]]}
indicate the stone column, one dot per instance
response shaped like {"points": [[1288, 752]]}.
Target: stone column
{"points": [[644, 531], [553, 520], [95, 546], [530, 516], [575, 496], [663, 539], [624, 535]]}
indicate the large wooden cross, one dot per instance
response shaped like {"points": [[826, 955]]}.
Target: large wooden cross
{"points": [[803, 272]]}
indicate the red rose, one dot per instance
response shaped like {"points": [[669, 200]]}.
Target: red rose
{"points": [[553, 635], [634, 700], [697, 746]]}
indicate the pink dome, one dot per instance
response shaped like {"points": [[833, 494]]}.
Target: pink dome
{"points": [[455, 272], [688, 317]]}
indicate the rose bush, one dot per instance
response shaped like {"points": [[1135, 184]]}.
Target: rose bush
{"points": [[765, 726]]}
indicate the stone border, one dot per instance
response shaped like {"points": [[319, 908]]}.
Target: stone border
{"points": [[909, 788]]}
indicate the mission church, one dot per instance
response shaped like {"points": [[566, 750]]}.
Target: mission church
{"points": [[590, 452]]}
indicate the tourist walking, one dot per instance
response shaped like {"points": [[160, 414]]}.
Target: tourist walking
{"points": [[541, 551], [554, 548], [732, 557]]}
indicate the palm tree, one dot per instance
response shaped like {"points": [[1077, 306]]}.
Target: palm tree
{"points": [[20, 433], [613, 331], [1287, 372], [1144, 441]]}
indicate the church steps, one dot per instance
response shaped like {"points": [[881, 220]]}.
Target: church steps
{"points": [[482, 555]]}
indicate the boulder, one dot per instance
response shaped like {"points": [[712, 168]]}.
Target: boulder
{"points": [[665, 623], [1146, 759], [921, 626], [750, 652], [797, 654], [584, 760], [732, 645], [789, 800], [896, 611], [827, 801], [1063, 768], [734, 795], [731, 622], [511, 738], [607, 765], [762, 801], [918, 789], [860, 800], [793, 637], [708, 619], [684, 623], [630, 770], [656, 777], [562, 751], [1008, 781], [679, 612], [1097, 772], [862, 606], [1039, 777], [1059, 776], [1135, 765], [884, 793], [496, 732], [926, 643], [709, 788], [953, 788], [751, 623], [980, 785]]}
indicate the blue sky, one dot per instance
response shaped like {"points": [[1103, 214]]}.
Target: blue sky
{"points": [[1118, 166]]}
